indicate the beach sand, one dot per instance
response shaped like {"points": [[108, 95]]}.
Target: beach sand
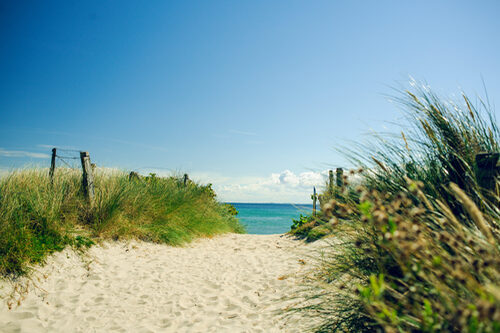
{"points": [[229, 283]]}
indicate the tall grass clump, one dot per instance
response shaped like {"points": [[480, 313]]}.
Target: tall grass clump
{"points": [[38, 217], [419, 238], [437, 146]]}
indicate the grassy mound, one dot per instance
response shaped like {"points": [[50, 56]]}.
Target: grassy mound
{"points": [[37, 217], [420, 237], [311, 228]]}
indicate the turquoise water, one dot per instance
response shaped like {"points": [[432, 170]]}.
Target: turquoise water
{"points": [[265, 219]]}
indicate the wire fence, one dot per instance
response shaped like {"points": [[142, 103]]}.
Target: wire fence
{"points": [[64, 159], [68, 150], [87, 169], [67, 159]]}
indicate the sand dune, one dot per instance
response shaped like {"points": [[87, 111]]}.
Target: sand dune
{"points": [[230, 283]]}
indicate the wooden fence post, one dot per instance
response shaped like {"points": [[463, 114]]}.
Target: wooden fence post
{"points": [[88, 177], [340, 175], [340, 182], [186, 178], [487, 170], [133, 176], [52, 165], [314, 201], [330, 181]]}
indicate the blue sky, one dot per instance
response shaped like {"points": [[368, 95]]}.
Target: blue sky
{"points": [[249, 95]]}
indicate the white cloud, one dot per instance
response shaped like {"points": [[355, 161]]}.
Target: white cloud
{"points": [[304, 179], [45, 146], [283, 187], [288, 177], [21, 153], [312, 178], [233, 131]]}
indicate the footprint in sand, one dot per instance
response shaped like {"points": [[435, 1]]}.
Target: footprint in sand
{"points": [[231, 306], [165, 323], [212, 285], [74, 299], [246, 287], [23, 315], [248, 301], [98, 300]]}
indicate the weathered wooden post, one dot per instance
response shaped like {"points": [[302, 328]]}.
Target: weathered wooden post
{"points": [[340, 175], [314, 201], [486, 169], [52, 165], [186, 178], [88, 177], [133, 176], [340, 182], [330, 181]]}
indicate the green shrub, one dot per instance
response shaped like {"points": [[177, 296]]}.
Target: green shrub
{"points": [[231, 209], [303, 219], [302, 226]]}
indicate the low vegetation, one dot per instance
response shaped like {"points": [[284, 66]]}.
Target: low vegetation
{"points": [[38, 217], [311, 228], [419, 238]]}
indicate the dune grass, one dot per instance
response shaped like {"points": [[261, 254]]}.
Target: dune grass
{"points": [[419, 239], [38, 218]]}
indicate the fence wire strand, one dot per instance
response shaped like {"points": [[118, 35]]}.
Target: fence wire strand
{"points": [[68, 150], [62, 160], [68, 157]]}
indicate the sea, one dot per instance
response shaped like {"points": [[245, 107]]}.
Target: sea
{"points": [[269, 218]]}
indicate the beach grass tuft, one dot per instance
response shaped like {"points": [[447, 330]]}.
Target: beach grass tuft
{"points": [[417, 242], [38, 217]]}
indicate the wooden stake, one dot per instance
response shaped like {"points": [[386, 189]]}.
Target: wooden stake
{"points": [[186, 178], [52, 165], [487, 170], [314, 201], [133, 176], [340, 180], [88, 177], [330, 181]]}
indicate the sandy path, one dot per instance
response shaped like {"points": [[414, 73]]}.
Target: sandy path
{"points": [[231, 283]]}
